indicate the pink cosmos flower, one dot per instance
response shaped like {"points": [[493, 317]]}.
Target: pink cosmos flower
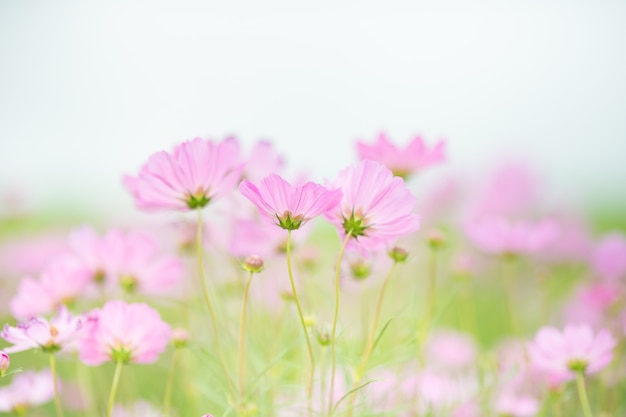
{"points": [[448, 349], [576, 349], [415, 157], [125, 332], [195, 173], [609, 257], [500, 236], [62, 332], [5, 362], [128, 259], [28, 389], [592, 303], [61, 282], [376, 208], [288, 206], [263, 161]]}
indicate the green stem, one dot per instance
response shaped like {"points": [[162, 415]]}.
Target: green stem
{"points": [[508, 272], [207, 299], [242, 327], [430, 302], [57, 399], [334, 331], [372, 339], [582, 394], [170, 384], [309, 387], [116, 381]]}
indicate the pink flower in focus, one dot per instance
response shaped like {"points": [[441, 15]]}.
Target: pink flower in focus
{"points": [[125, 332], [500, 236], [28, 389], [609, 257], [576, 349], [288, 206], [376, 208], [195, 173], [415, 157], [62, 332], [61, 282]]}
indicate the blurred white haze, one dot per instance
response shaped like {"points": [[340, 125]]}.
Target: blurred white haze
{"points": [[89, 89]]}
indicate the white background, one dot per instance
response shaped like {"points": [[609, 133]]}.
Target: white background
{"points": [[89, 89]]}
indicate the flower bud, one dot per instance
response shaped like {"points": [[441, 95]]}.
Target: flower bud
{"points": [[253, 264], [323, 336], [398, 254], [5, 362], [436, 239], [180, 337], [309, 321], [360, 269]]}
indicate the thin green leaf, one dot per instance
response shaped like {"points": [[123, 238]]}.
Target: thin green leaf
{"points": [[347, 394], [381, 334]]}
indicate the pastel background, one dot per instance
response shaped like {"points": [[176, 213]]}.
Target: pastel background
{"points": [[89, 90]]}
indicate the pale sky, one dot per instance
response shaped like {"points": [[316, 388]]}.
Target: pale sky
{"points": [[88, 90]]}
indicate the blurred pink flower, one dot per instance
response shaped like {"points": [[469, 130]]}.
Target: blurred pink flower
{"points": [[403, 162], [514, 404], [260, 237], [288, 206], [195, 173], [28, 389], [263, 161], [500, 236], [469, 409], [609, 257], [61, 282], [61, 332], [129, 259], [592, 303], [376, 208], [576, 349], [125, 332], [450, 350]]}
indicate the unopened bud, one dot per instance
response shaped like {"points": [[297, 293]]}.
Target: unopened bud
{"points": [[323, 337], [436, 239], [398, 254], [5, 362], [360, 269], [180, 337], [253, 264], [287, 296], [309, 321]]}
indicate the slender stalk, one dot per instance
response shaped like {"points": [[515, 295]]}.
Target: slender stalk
{"points": [[115, 383], [309, 387], [323, 378], [334, 331], [170, 384], [430, 301], [508, 273], [582, 394], [371, 340], [207, 299], [57, 399], [242, 328]]}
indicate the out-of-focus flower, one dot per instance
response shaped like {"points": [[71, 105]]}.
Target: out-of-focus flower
{"points": [[609, 257], [128, 259], [195, 173], [125, 333], [5, 362], [376, 208], [450, 350], [60, 283], [592, 303], [62, 332], [28, 389], [138, 409], [288, 206], [403, 162], [576, 349], [263, 161], [510, 403], [500, 236]]}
